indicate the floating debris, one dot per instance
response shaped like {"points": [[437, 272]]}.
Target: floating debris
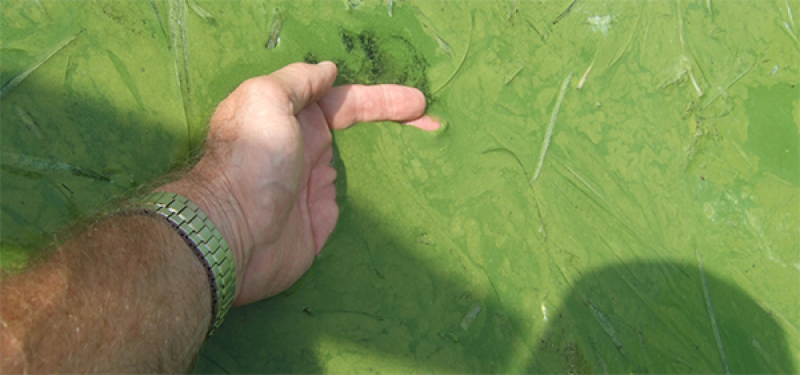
{"points": [[508, 79], [630, 39], [688, 65], [48, 15], [275, 29], [180, 43], [727, 87], [585, 76], [158, 17], [467, 320], [463, 58], [790, 31], [448, 335], [509, 152], [565, 12], [29, 123], [443, 45], [33, 164], [544, 312], [126, 76], [711, 316], [600, 23], [11, 49], [710, 12], [204, 14], [512, 10], [352, 4], [549, 134], [677, 75], [605, 323], [12, 84], [180, 51]]}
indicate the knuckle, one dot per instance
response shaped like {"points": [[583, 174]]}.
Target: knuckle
{"points": [[257, 86], [297, 67], [257, 91]]}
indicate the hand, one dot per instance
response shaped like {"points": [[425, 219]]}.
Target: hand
{"points": [[266, 179]]}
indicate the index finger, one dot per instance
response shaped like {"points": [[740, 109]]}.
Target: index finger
{"points": [[350, 104]]}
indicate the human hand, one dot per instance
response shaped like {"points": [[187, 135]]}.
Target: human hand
{"points": [[266, 179]]}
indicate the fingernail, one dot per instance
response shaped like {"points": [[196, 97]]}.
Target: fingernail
{"points": [[426, 123]]}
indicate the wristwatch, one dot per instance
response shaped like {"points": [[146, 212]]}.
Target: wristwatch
{"points": [[206, 242]]}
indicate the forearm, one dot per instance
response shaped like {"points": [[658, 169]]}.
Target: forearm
{"points": [[127, 295]]}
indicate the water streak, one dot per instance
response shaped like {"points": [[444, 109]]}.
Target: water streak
{"points": [[549, 134], [14, 82]]}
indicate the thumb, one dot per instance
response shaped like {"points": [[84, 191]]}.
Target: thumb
{"points": [[305, 83]]}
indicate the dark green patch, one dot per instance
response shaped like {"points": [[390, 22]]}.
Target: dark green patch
{"points": [[310, 59], [772, 132], [370, 57], [574, 362], [347, 40]]}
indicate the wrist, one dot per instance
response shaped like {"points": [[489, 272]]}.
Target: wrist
{"points": [[212, 196]]}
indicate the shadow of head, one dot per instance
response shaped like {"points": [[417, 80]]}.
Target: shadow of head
{"points": [[377, 299], [661, 318]]}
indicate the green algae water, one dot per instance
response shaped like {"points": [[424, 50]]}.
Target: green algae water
{"points": [[643, 219]]}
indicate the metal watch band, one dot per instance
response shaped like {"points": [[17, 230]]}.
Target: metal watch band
{"points": [[206, 242]]}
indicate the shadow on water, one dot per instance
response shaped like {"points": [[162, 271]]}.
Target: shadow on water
{"points": [[654, 317], [383, 306], [66, 156], [372, 298]]}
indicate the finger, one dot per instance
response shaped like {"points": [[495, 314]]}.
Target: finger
{"points": [[425, 123], [350, 104], [305, 83]]}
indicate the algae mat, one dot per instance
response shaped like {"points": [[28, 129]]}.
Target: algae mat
{"points": [[615, 188]]}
